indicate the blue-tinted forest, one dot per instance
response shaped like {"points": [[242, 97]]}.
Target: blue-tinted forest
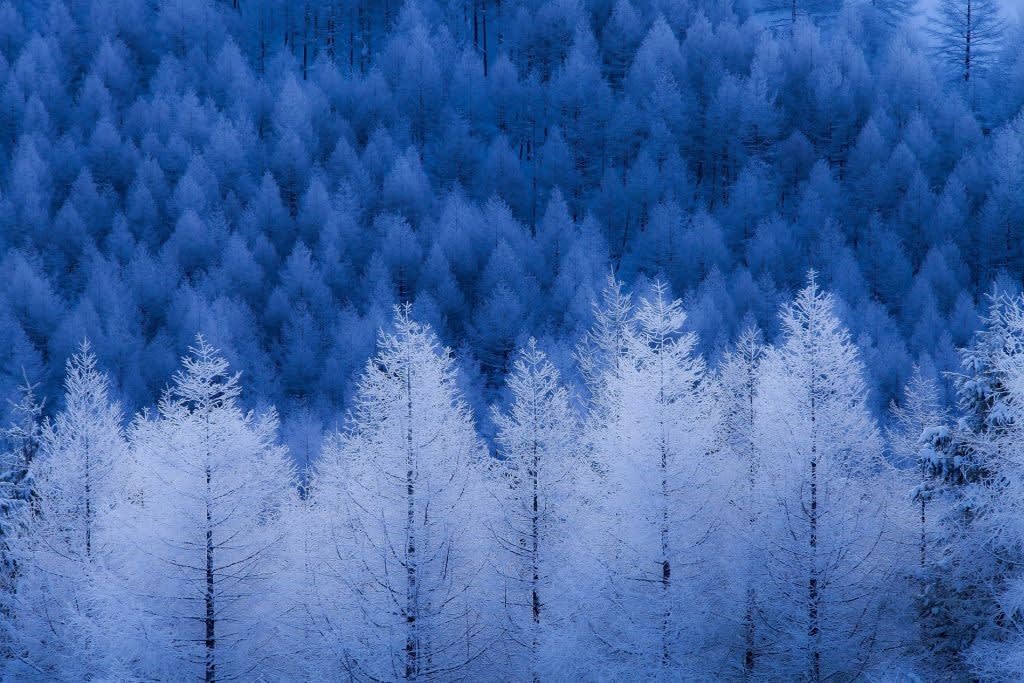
{"points": [[710, 257], [277, 175]]}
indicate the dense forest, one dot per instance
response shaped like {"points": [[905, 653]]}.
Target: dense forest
{"points": [[511, 340]]}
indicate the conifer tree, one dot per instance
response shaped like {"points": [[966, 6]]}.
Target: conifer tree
{"points": [[657, 489], [967, 35], [23, 439], [400, 491], [830, 528], [71, 548], [992, 550], [738, 386], [537, 493], [207, 534]]}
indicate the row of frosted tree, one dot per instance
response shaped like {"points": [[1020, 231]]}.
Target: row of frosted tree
{"points": [[676, 522]]}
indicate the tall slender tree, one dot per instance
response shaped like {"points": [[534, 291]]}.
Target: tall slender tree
{"points": [[536, 491], [995, 496], [71, 546], [738, 386], [960, 604], [967, 35], [208, 534], [405, 482], [23, 439], [919, 437], [831, 541], [915, 422], [658, 492]]}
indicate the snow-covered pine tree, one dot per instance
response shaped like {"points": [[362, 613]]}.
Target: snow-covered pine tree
{"points": [[207, 535], [917, 422], [22, 440], [830, 538], [996, 497], [601, 357], [399, 497], [922, 436], [601, 352], [71, 547], [536, 492], [959, 595], [738, 385], [656, 506]]}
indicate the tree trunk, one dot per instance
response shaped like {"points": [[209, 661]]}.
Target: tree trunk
{"points": [[305, 44], [534, 558], [411, 587], [813, 597], [210, 621], [484, 29], [969, 30], [88, 506], [666, 567], [749, 627]]}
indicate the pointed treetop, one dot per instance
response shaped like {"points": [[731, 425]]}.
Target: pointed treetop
{"points": [[204, 382], [659, 316], [750, 343], [83, 381]]}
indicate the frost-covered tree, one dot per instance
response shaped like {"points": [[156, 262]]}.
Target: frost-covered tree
{"points": [[83, 454], [23, 439], [537, 492], [657, 492], [920, 437], [916, 421], [994, 546], [400, 504], [72, 543], [959, 601], [207, 536], [601, 352], [967, 35], [831, 536], [738, 385]]}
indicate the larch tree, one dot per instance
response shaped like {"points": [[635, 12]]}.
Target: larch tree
{"points": [[23, 439], [71, 546], [915, 422], [967, 35], [738, 385], [208, 537], [920, 437], [400, 499], [536, 492], [831, 540], [996, 497], [966, 457], [601, 353], [658, 491]]}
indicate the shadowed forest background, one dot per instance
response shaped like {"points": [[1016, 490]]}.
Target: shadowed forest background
{"points": [[278, 175]]}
